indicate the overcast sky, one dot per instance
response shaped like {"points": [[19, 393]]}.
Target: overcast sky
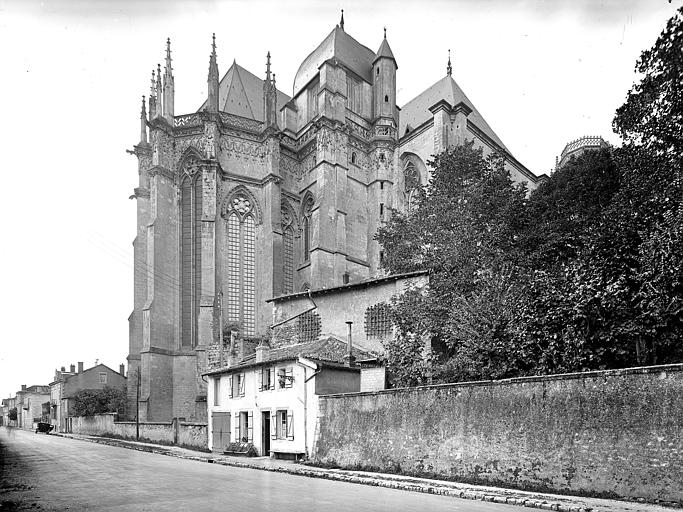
{"points": [[541, 73]]}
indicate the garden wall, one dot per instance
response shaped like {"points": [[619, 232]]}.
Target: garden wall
{"points": [[616, 433], [192, 435]]}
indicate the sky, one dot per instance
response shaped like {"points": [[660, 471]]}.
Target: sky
{"points": [[542, 73]]}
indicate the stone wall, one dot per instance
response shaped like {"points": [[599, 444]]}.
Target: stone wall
{"points": [[616, 433], [192, 435]]}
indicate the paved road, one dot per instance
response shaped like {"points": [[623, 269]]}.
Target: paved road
{"points": [[41, 472]]}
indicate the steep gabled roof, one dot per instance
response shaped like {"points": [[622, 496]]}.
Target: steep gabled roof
{"points": [[416, 111], [240, 93], [341, 46], [330, 349], [385, 51]]}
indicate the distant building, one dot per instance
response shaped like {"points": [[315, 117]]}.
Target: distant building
{"points": [[97, 377], [56, 394], [578, 147], [8, 405], [30, 402], [257, 194]]}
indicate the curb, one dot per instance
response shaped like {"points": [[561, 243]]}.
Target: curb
{"points": [[431, 488]]}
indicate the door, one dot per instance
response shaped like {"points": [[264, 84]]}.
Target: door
{"points": [[220, 429], [265, 433]]}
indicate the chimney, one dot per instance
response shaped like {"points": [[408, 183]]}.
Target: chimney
{"points": [[80, 366], [63, 369], [262, 351], [350, 359], [23, 387], [122, 369], [72, 368]]}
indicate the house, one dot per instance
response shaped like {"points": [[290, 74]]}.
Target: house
{"points": [[56, 393], [97, 377], [9, 404], [29, 405], [267, 403]]}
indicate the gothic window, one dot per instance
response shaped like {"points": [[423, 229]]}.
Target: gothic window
{"points": [[353, 95], [287, 250], [413, 189], [241, 263], [378, 322], [386, 99], [307, 227], [308, 326], [190, 254], [353, 157]]}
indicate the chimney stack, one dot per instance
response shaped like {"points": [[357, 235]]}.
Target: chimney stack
{"points": [[262, 351], [122, 369], [63, 369], [80, 366], [72, 368], [23, 387], [351, 360]]}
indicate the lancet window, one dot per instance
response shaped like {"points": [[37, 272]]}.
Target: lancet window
{"points": [[413, 188], [287, 250], [307, 227], [190, 254], [241, 263]]}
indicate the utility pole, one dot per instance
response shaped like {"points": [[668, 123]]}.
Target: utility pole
{"points": [[137, 407]]}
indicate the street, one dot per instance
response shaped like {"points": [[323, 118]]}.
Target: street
{"points": [[47, 472]]}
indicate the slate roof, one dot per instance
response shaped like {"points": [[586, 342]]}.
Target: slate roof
{"points": [[385, 51], [416, 111], [341, 46], [240, 93]]}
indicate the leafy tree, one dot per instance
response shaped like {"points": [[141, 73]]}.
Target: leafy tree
{"points": [[89, 402]]}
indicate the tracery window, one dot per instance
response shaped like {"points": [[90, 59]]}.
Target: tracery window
{"points": [[241, 263], [413, 188], [287, 250], [190, 254], [307, 227], [378, 323]]}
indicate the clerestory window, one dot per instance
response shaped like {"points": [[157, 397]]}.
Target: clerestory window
{"points": [[190, 253]]}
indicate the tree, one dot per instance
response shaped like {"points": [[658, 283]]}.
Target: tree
{"points": [[89, 402]]}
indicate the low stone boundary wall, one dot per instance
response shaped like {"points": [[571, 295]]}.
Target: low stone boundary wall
{"points": [[182, 433], [616, 433]]}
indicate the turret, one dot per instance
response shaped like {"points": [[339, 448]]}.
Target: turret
{"points": [[384, 83], [212, 103], [269, 98], [169, 87]]}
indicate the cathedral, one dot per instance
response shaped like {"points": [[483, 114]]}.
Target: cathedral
{"points": [[259, 194]]}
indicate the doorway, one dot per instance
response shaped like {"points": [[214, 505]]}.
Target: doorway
{"points": [[265, 433]]}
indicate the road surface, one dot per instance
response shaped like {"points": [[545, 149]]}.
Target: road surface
{"points": [[47, 472]]}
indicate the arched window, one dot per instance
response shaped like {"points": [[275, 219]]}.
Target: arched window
{"points": [[353, 157], [307, 227], [413, 188], [190, 253], [287, 250], [241, 262]]}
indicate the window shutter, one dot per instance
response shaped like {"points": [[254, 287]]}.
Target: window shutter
{"points": [[230, 387], [290, 425], [241, 381], [237, 428], [260, 379], [272, 377], [273, 425], [250, 427], [289, 381]]}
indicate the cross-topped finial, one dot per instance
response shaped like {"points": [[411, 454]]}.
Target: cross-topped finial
{"points": [[385, 32], [213, 43], [268, 66], [449, 68], [154, 83], [341, 23]]}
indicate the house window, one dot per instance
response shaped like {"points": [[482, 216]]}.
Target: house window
{"points": [[285, 378], [378, 323], [244, 427], [190, 253], [266, 379], [307, 227], [217, 391], [237, 381], [284, 426], [103, 378], [241, 264]]}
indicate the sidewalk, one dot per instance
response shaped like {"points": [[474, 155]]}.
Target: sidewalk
{"points": [[466, 491]]}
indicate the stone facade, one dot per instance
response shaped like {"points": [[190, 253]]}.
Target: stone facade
{"points": [[258, 195], [29, 404]]}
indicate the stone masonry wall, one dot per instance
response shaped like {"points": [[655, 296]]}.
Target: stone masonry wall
{"points": [[615, 433]]}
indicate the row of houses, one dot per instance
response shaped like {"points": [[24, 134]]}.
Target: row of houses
{"points": [[53, 403]]}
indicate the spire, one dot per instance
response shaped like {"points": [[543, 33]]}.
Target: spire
{"points": [[269, 97], [158, 93], [152, 96], [169, 87], [385, 32], [449, 68], [268, 67], [212, 104], [143, 122], [341, 23]]}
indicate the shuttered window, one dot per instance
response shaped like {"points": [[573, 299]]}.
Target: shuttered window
{"points": [[284, 425]]}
